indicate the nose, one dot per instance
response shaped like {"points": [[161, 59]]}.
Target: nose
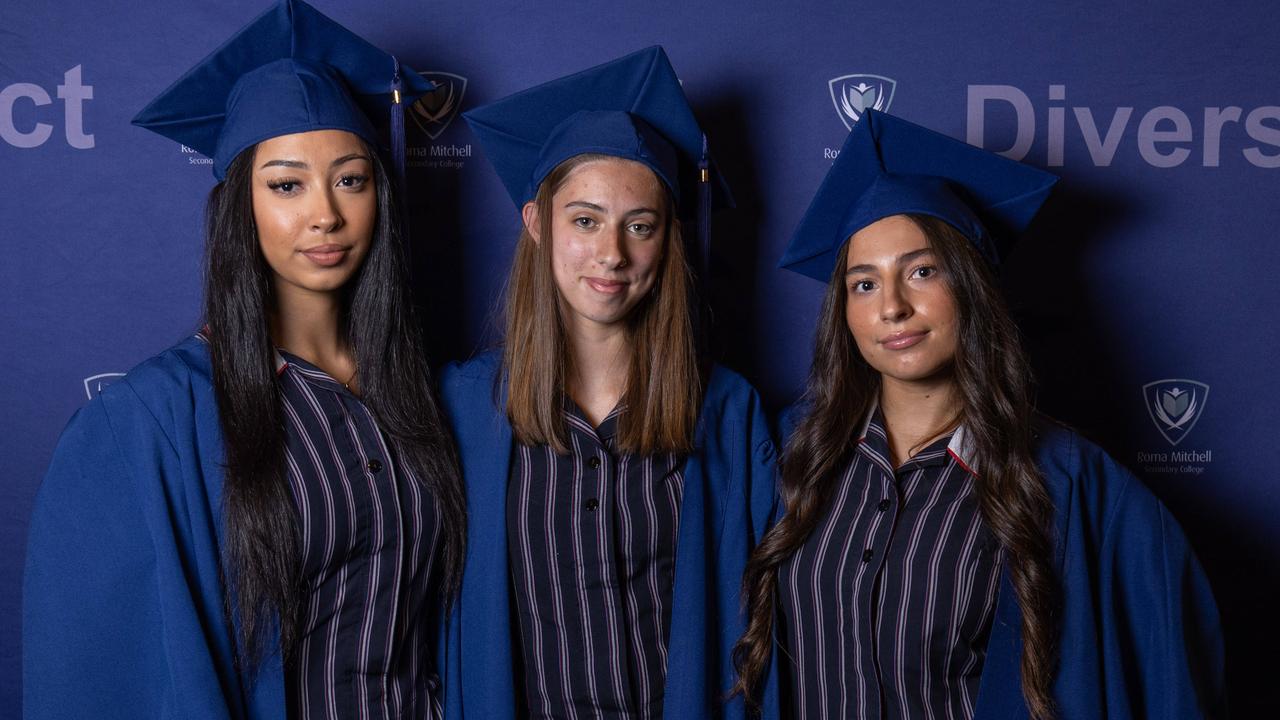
{"points": [[895, 306], [611, 248], [325, 216]]}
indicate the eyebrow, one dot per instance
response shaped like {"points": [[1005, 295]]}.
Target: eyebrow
{"points": [[903, 259], [303, 166], [598, 208]]}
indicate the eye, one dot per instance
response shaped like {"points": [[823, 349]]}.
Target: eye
{"points": [[355, 180], [284, 186], [862, 286], [641, 228], [584, 222], [924, 272]]}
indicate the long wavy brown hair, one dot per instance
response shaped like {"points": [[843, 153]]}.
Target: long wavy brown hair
{"points": [[664, 381], [993, 382]]}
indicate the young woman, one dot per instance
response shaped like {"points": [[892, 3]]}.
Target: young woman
{"points": [[945, 551], [261, 521], [615, 483]]}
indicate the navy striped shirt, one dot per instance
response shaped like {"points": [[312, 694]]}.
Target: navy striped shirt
{"points": [[592, 540], [369, 529], [887, 607]]}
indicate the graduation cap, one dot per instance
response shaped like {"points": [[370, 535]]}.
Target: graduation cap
{"points": [[889, 166], [291, 70], [631, 108]]}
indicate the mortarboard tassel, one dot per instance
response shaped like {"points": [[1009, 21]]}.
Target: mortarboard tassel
{"points": [[704, 212], [398, 156], [397, 127]]}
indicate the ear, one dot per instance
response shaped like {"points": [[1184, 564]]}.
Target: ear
{"points": [[529, 213]]}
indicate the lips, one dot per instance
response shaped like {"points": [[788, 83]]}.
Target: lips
{"points": [[607, 287], [903, 340], [327, 255]]}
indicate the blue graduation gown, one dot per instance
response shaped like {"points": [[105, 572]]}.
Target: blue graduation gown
{"points": [[729, 499], [1140, 634], [122, 601]]}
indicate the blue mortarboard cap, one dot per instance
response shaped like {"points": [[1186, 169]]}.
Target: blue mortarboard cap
{"points": [[290, 70], [632, 108], [889, 166]]}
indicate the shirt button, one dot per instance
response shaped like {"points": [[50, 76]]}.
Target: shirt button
{"points": [[374, 465], [866, 555], [591, 504], [594, 462], [884, 504]]}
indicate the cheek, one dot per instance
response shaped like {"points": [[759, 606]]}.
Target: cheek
{"points": [[276, 226], [646, 259], [941, 310], [855, 318], [646, 253], [569, 254], [361, 212]]}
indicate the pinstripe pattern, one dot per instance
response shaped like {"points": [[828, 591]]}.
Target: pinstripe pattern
{"points": [[887, 607], [591, 537], [368, 530]]}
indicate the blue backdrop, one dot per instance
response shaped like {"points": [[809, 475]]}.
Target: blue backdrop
{"points": [[1145, 290]]}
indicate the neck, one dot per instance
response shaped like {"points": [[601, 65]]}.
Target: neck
{"points": [[916, 413], [599, 360], [307, 324]]}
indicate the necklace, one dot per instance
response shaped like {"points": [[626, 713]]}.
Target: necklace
{"points": [[347, 384]]}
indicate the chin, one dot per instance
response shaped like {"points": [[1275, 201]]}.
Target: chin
{"points": [[327, 283], [913, 373], [603, 313]]}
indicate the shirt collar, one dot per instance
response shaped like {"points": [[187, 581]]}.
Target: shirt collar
{"points": [[277, 359], [577, 420], [285, 360], [962, 449], [873, 439]]}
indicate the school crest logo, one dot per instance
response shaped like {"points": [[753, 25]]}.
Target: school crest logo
{"points": [[95, 384], [854, 94], [1175, 406], [433, 112]]}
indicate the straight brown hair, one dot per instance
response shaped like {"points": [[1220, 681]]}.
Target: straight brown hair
{"points": [[664, 381], [993, 381]]}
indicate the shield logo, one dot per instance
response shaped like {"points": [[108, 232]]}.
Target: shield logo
{"points": [[1175, 406], [853, 94], [433, 112], [94, 384]]}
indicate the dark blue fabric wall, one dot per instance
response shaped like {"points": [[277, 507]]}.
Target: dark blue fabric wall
{"points": [[1146, 290]]}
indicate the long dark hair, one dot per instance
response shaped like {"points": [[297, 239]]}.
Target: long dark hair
{"points": [[664, 380], [262, 549], [993, 380]]}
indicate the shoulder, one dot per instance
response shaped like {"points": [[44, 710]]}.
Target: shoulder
{"points": [[1079, 472], [165, 378], [133, 418], [158, 393], [733, 412], [726, 386], [482, 368], [172, 371], [789, 417], [469, 389]]}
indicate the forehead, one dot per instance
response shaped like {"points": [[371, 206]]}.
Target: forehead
{"points": [[612, 177], [316, 145], [884, 240]]}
